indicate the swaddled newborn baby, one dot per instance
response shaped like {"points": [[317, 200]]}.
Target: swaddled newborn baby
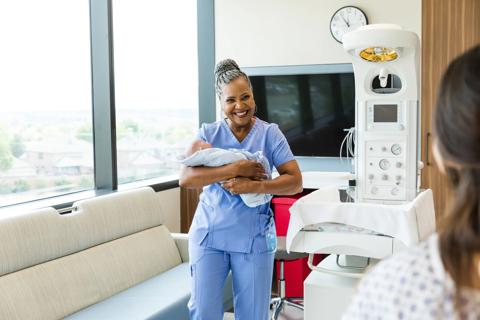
{"points": [[202, 154], [197, 145]]}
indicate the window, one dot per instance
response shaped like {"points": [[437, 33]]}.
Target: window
{"points": [[156, 85], [45, 115], [54, 52]]}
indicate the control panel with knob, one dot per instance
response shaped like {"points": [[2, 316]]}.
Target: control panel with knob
{"points": [[386, 132], [385, 170]]}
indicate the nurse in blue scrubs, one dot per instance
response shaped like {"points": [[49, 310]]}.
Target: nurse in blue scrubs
{"points": [[226, 235]]}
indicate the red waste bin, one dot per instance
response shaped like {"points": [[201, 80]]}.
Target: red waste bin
{"points": [[295, 271]]}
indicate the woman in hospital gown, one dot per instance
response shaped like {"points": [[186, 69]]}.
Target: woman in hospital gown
{"points": [[226, 235], [440, 278]]}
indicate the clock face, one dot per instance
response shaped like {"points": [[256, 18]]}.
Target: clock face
{"points": [[346, 19]]}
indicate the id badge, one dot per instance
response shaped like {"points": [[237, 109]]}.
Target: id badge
{"points": [[271, 237]]}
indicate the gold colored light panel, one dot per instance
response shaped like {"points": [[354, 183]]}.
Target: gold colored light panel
{"points": [[378, 54]]}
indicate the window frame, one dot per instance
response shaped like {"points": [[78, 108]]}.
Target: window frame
{"points": [[103, 104]]}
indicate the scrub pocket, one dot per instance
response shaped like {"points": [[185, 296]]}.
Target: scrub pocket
{"points": [[196, 254]]}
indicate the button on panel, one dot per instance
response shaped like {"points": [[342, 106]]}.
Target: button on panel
{"points": [[385, 149], [385, 193], [395, 191]]}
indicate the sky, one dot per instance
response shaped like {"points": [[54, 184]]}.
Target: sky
{"points": [[45, 54]]}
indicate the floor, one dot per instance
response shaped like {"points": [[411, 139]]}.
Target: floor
{"points": [[288, 313]]}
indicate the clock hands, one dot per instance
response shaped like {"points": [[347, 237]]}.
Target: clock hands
{"points": [[346, 22]]}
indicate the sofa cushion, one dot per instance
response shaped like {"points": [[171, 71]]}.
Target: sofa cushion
{"points": [[44, 235], [162, 297], [57, 288]]}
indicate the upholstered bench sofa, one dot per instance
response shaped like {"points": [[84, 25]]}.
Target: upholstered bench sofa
{"points": [[111, 258]]}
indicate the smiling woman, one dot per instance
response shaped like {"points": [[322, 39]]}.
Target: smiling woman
{"points": [[226, 234], [236, 98]]}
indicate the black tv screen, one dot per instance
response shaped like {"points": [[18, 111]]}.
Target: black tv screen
{"points": [[312, 110]]}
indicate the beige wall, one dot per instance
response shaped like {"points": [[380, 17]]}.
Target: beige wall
{"points": [[170, 200], [295, 32]]}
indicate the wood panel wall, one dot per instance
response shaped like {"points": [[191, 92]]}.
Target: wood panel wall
{"points": [[188, 205], [449, 27]]}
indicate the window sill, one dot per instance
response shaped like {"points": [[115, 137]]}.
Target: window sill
{"points": [[67, 200], [157, 184]]}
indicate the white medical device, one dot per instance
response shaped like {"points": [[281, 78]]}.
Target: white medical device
{"points": [[356, 235], [386, 67], [387, 215]]}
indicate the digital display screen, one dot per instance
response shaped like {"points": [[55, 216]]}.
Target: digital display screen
{"points": [[385, 113]]}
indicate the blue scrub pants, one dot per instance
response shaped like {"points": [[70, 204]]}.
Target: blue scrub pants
{"points": [[252, 283]]}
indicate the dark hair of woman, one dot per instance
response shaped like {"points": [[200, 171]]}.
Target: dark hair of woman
{"points": [[457, 127], [226, 71]]}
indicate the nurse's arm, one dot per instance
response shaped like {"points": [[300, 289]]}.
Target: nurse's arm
{"points": [[197, 177], [287, 183]]}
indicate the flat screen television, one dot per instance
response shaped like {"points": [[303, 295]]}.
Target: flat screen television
{"points": [[312, 104]]}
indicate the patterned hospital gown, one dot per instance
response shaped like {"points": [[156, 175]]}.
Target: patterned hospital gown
{"points": [[412, 285]]}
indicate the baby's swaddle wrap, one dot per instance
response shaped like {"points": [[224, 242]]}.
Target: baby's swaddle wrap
{"points": [[216, 157]]}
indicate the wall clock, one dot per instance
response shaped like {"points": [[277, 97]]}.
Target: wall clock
{"points": [[346, 19]]}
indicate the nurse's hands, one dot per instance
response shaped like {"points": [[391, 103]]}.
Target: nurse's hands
{"points": [[250, 169], [240, 185]]}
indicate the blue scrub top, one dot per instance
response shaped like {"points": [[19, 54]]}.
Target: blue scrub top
{"points": [[222, 221]]}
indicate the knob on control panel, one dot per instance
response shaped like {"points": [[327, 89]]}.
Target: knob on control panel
{"points": [[374, 190], [395, 191], [384, 164], [396, 149]]}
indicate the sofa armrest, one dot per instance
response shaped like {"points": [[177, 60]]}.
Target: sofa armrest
{"points": [[181, 240]]}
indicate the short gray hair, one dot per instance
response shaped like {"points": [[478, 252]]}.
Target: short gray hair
{"points": [[225, 72]]}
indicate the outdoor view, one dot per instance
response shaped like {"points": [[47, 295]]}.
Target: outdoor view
{"points": [[156, 85], [46, 140]]}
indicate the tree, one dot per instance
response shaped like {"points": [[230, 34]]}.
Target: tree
{"points": [[127, 128], [85, 133], [130, 125], [17, 146], [6, 158], [20, 186]]}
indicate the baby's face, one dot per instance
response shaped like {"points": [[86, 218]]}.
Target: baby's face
{"points": [[197, 146]]}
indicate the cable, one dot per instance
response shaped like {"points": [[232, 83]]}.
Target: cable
{"points": [[349, 142]]}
